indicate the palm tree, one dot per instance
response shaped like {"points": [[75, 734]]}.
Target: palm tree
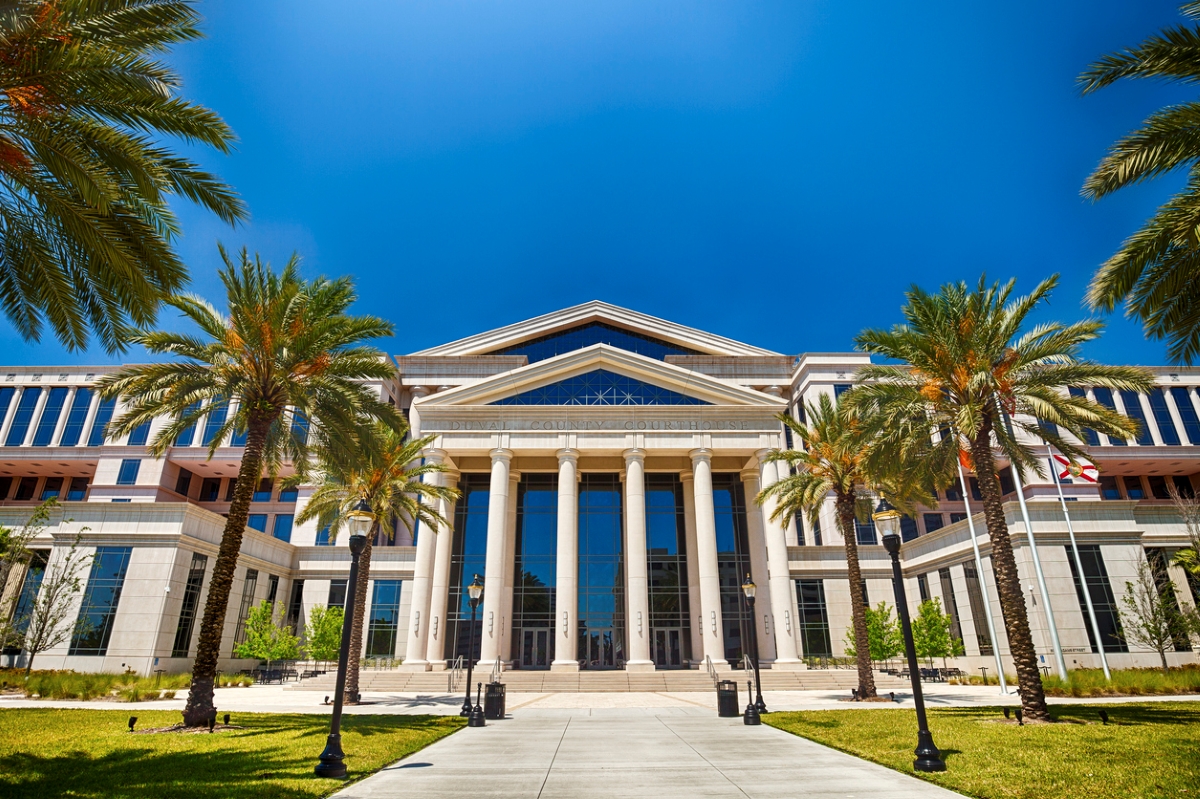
{"points": [[387, 470], [291, 355], [86, 182], [1156, 272], [969, 370], [833, 458]]}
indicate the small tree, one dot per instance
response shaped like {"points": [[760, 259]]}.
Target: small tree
{"points": [[1188, 506], [931, 633], [266, 640], [1150, 616], [323, 634], [44, 625], [884, 637]]}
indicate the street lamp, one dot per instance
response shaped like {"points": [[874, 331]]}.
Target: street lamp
{"points": [[474, 591], [331, 761], [887, 521], [748, 588]]}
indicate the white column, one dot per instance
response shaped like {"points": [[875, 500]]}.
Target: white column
{"points": [[414, 412], [706, 559], [418, 614], [758, 569], [439, 584], [62, 416], [89, 420], [510, 551], [493, 579], [566, 576], [782, 587], [11, 414], [696, 654], [637, 587], [36, 419]]}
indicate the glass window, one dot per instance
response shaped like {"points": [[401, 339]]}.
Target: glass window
{"points": [[949, 603], [288, 494], [976, 494], [1104, 397], [1158, 486], [814, 618], [1162, 415], [295, 605], [1007, 486], [230, 488], [299, 426], [238, 438], [210, 489], [979, 610], [100, 600], [139, 435], [841, 388], [104, 414], [384, 620], [337, 594], [257, 521], [535, 551], [183, 483], [263, 492], [1089, 435], [247, 602], [6, 396], [933, 521], [50, 413], [1104, 602], [32, 583], [1133, 409], [1187, 413], [25, 488], [187, 611], [51, 488], [5, 487], [218, 409], [733, 557], [908, 528], [1183, 485], [128, 473], [23, 417], [576, 338], [1158, 559], [666, 540], [864, 532], [601, 571], [1133, 487], [600, 387], [78, 489], [957, 517], [283, 527], [322, 537], [954, 493], [73, 429], [923, 586], [1109, 489], [188, 434]]}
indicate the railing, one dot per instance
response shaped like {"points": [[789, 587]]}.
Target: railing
{"points": [[712, 670], [747, 666], [454, 675], [497, 670]]}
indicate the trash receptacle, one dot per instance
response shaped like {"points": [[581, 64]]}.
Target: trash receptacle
{"points": [[727, 699], [493, 701]]}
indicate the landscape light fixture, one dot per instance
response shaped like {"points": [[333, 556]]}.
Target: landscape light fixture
{"points": [[474, 593], [332, 761], [132, 721], [887, 522], [476, 717], [751, 718], [748, 590]]}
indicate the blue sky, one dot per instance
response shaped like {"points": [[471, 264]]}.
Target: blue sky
{"points": [[777, 173]]}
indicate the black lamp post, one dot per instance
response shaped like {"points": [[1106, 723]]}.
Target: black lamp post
{"points": [[474, 591], [331, 762], [748, 589], [887, 521]]}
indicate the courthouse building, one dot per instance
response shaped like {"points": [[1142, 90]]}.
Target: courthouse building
{"points": [[608, 463]]}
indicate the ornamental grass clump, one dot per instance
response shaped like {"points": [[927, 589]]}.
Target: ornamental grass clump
{"points": [[1126, 682]]}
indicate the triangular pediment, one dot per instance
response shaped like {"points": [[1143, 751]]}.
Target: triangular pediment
{"points": [[596, 322], [601, 375]]}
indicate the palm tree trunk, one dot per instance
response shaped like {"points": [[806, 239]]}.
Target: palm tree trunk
{"points": [[200, 707], [862, 642], [1008, 581], [360, 613]]}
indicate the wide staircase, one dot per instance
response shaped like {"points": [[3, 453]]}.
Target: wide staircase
{"points": [[675, 680]]}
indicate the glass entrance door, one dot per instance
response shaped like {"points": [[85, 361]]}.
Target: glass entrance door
{"points": [[535, 649], [668, 648], [604, 649]]}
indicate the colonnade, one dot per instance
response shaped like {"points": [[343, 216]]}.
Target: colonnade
{"points": [[776, 628]]}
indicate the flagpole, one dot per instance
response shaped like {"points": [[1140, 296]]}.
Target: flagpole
{"points": [[991, 625], [1087, 591]]}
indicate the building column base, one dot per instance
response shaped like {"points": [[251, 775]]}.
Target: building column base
{"points": [[789, 664], [414, 665], [437, 665], [639, 665], [719, 665], [564, 666]]}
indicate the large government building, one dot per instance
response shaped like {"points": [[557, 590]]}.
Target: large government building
{"points": [[608, 463]]}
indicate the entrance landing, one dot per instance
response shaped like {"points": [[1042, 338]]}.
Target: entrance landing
{"points": [[626, 753]]}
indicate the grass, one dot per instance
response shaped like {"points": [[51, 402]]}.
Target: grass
{"points": [[89, 753], [1148, 750], [1126, 682], [129, 687]]}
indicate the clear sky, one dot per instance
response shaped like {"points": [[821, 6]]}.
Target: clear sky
{"points": [[778, 173]]}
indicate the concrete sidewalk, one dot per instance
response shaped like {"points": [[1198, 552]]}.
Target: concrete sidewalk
{"points": [[656, 753]]}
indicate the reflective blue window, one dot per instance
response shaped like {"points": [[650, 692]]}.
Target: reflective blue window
{"points": [[34, 573], [238, 439], [467, 559], [600, 387], [385, 619], [1104, 397], [733, 556], [1187, 412], [1133, 409], [73, 429], [908, 528], [300, 426], [100, 600], [257, 521], [23, 417], [1162, 415], [188, 434], [283, 527], [139, 435], [218, 409], [1089, 435], [128, 473], [6, 396], [601, 581], [323, 537], [104, 415], [50, 413], [576, 338]]}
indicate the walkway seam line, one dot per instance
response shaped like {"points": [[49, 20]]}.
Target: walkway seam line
{"points": [[550, 768], [714, 766]]}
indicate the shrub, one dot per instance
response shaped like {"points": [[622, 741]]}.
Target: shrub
{"points": [[1126, 682]]}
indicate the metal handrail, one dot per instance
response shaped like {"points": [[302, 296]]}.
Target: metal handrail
{"points": [[455, 675], [497, 670], [747, 665], [712, 670]]}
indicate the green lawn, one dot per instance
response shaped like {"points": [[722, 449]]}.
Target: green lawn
{"points": [[90, 753], [1152, 750]]}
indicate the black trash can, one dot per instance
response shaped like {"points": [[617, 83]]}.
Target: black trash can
{"points": [[493, 701], [727, 699]]}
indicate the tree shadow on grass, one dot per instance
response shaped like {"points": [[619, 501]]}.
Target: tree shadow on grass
{"points": [[1153, 713]]}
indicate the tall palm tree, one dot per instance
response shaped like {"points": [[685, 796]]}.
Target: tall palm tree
{"points": [[833, 458], [292, 356], [86, 181], [388, 471], [1156, 272], [967, 367]]}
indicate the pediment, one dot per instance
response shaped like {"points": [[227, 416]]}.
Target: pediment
{"points": [[670, 338], [601, 375]]}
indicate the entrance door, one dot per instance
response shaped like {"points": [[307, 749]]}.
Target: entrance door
{"points": [[668, 648], [535, 649], [604, 649]]}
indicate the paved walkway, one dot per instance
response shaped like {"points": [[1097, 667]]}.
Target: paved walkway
{"points": [[625, 753]]}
